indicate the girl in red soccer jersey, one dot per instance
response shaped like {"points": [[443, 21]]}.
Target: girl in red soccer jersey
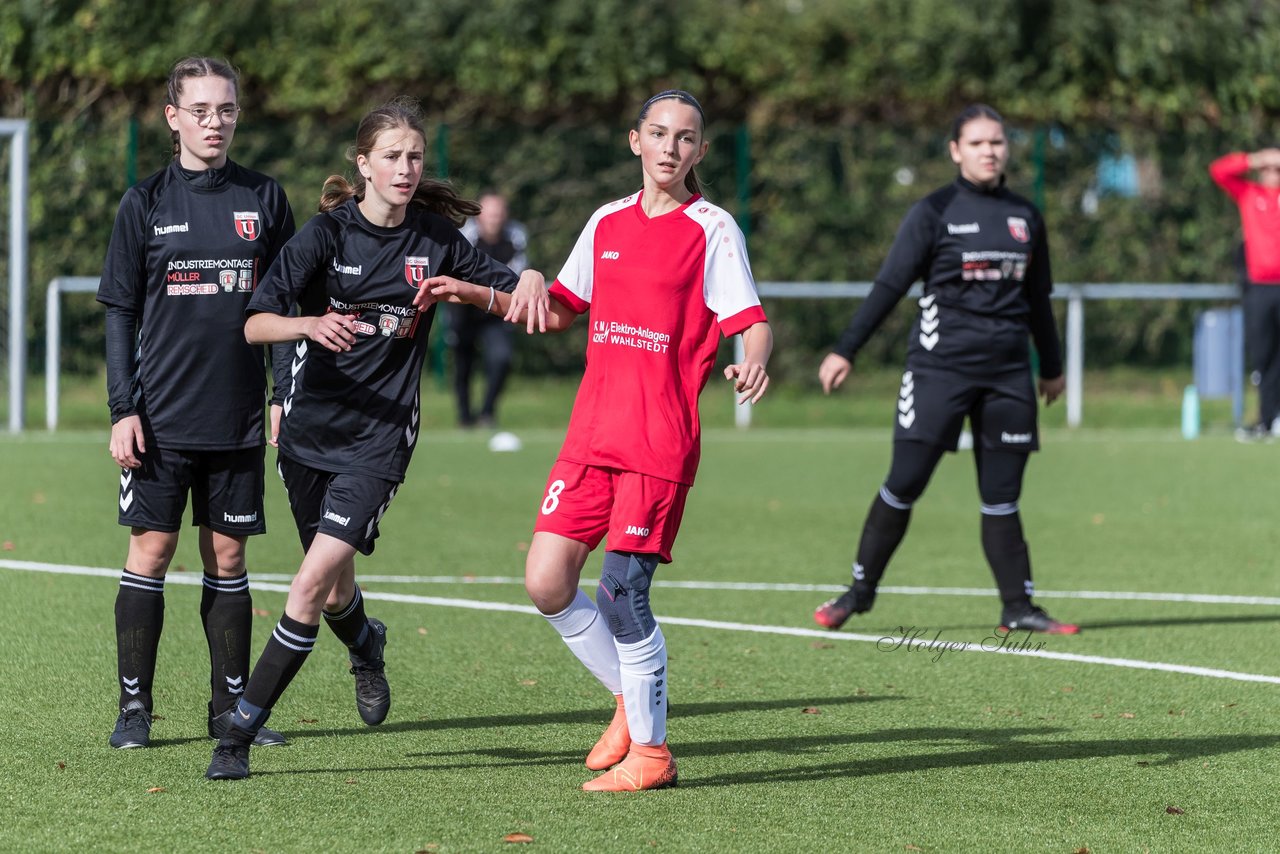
{"points": [[663, 273]]}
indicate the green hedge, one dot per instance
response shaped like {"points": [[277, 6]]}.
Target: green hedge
{"points": [[819, 108]]}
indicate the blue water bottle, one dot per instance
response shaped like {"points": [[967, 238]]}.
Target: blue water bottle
{"points": [[1190, 412]]}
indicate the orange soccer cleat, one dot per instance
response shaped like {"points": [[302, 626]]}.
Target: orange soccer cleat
{"points": [[613, 745], [645, 767]]}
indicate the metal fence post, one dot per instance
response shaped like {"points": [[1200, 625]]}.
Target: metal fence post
{"points": [[1075, 356]]}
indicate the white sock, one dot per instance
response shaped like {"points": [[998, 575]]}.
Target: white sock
{"points": [[589, 639], [644, 688]]}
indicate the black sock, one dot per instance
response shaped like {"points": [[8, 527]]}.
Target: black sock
{"points": [[1007, 553], [139, 620], [287, 648], [352, 626], [881, 533], [226, 610]]}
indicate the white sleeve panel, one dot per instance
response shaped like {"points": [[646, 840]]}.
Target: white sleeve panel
{"points": [[578, 273], [727, 284]]}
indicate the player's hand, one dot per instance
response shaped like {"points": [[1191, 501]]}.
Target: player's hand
{"points": [[750, 380], [833, 371], [333, 331], [444, 289], [127, 442], [1051, 390], [275, 414], [530, 293]]}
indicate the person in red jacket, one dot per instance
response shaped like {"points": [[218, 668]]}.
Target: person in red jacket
{"points": [[1259, 203]]}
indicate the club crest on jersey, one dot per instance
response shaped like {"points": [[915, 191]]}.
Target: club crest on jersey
{"points": [[415, 270], [1018, 228], [246, 224]]}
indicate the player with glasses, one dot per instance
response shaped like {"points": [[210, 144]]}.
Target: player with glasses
{"points": [[226, 114], [186, 392]]}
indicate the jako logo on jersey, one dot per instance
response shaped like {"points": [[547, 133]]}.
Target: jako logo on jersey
{"points": [[609, 255], [637, 531], [1018, 228], [966, 228], [415, 270], [170, 229], [1015, 438], [334, 517], [246, 224]]}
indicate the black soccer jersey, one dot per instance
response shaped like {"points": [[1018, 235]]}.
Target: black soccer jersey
{"points": [[358, 411], [186, 253], [984, 258]]}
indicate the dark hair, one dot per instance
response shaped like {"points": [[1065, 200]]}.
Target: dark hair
{"points": [[691, 182], [970, 113], [196, 66], [435, 195]]}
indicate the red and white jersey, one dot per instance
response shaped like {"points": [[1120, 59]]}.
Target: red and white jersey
{"points": [[660, 292]]}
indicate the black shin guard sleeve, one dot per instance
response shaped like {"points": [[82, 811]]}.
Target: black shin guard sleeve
{"points": [[1007, 554], [139, 621], [881, 533], [286, 650], [226, 610], [351, 626]]}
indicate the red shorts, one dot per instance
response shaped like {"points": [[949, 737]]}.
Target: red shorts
{"points": [[638, 513]]}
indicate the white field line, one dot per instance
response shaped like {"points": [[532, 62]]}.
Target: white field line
{"points": [[913, 641], [750, 586], [1203, 598]]}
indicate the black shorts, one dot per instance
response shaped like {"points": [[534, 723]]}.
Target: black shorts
{"points": [[225, 487], [344, 506], [932, 406]]}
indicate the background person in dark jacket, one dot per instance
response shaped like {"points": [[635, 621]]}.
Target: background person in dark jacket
{"points": [[503, 239]]}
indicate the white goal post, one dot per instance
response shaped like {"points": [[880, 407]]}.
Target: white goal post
{"points": [[53, 338], [18, 130]]}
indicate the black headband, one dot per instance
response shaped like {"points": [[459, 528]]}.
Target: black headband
{"points": [[679, 95]]}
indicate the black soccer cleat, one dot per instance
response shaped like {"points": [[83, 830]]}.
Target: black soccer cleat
{"points": [[220, 725], [230, 761], [1259, 432], [373, 694], [133, 727], [1032, 618], [833, 613]]}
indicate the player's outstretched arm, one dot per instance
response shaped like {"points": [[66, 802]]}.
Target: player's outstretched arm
{"points": [[833, 371], [555, 316], [530, 303], [750, 379]]}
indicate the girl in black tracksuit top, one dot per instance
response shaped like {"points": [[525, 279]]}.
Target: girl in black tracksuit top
{"points": [[983, 254]]}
